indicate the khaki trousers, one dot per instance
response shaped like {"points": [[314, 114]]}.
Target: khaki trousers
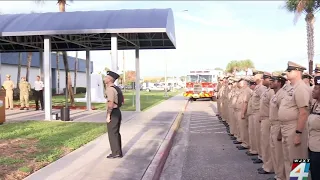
{"points": [[226, 111], [291, 151], [252, 142], [219, 106], [231, 121], [24, 100], [276, 152], [265, 145], [9, 99], [257, 130], [244, 132], [237, 114]]}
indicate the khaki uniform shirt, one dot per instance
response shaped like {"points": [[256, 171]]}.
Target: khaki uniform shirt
{"points": [[112, 94], [249, 108], [265, 103], [256, 96], [8, 85], [234, 98], [244, 97], [296, 96], [275, 104], [314, 128], [24, 87]]}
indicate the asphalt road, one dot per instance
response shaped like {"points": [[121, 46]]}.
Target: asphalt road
{"points": [[203, 151]]}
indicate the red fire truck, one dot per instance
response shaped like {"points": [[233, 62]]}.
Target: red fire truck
{"points": [[201, 84]]}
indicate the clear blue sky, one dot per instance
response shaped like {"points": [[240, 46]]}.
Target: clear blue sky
{"points": [[209, 35]]}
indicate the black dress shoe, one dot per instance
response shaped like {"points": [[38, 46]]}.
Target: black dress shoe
{"points": [[236, 142], [233, 138], [250, 154], [242, 148], [111, 156], [254, 158], [262, 171], [259, 169], [257, 161], [272, 178]]}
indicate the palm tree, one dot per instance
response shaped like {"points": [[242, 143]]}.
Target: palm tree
{"points": [[69, 90], [75, 73], [29, 59], [309, 7]]}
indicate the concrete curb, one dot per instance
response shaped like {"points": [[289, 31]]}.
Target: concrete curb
{"points": [[155, 168]]}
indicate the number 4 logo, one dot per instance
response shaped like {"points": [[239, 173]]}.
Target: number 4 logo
{"points": [[300, 172]]}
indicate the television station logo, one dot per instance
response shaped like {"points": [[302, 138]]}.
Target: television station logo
{"points": [[300, 169]]}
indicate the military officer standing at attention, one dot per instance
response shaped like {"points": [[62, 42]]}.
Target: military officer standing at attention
{"points": [[293, 113], [307, 79], [253, 149], [267, 166], [8, 86], [242, 103], [314, 132], [115, 97], [25, 88], [277, 84], [256, 96], [233, 112]]}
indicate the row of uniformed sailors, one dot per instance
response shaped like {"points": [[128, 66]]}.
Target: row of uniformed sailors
{"points": [[274, 116]]}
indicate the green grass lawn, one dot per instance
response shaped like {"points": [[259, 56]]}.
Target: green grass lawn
{"points": [[28, 146], [148, 99]]}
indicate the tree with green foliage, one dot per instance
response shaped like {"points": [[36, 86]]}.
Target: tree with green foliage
{"points": [[308, 7], [240, 65]]}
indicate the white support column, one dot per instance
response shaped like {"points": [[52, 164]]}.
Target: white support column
{"points": [[114, 54], [138, 109], [41, 70], [88, 77], [47, 78]]}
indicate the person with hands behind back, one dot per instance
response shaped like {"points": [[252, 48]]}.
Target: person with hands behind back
{"points": [[114, 102]]}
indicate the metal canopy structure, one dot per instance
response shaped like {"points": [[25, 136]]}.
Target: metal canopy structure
{"points": [[84, 31]]}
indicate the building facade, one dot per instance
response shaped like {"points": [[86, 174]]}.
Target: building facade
{"points": [[9, 65]]}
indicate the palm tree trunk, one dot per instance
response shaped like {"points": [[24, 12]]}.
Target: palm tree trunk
{"points": [[62, 8], [29, 58], [58, 74], [19, 70], [310, 38], [75, 73]]}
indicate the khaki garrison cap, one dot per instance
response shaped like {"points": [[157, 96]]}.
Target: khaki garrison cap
{"points": [[8, 76], [294, 67], [306, 76], [317, 69]]}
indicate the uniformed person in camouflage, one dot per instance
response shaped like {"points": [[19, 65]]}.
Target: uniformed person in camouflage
{"points": [[25, 89]]}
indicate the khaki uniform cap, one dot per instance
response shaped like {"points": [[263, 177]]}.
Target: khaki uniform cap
{"points": [[294, 66], [317, 69], [306, 75]]}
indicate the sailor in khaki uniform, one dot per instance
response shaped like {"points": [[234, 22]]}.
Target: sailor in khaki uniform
{"points": [[219, 87], [267, 166], [25, 88], [242, 103], [278, 84], [231, 116], [306, 77], [293, 113], [253, 149], [8, 86], [314, 132], [236, 112], [256, 96]]}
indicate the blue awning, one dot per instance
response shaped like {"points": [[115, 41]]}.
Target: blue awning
{"points": [[81, 30]]}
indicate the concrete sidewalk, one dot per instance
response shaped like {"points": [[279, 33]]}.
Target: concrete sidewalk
{"points": [[142, 135]]}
